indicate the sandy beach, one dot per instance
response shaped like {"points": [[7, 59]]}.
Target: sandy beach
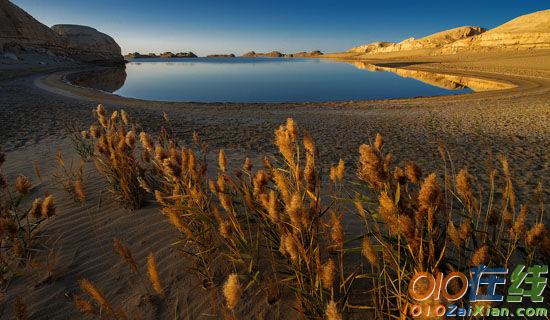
{"points": [[35, 108]]}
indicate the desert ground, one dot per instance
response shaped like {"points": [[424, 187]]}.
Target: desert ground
{"points": [[36, 107]]}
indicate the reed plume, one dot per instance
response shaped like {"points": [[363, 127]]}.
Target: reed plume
{"points": [[84, 306], [369, 252], [480, 256], [153, 274], [125, 254], [413, 172], [535, 236], [48, 207], [22, 185], [232, 291], [454, 234], [96, 294], [328, 271], [332, 312]]}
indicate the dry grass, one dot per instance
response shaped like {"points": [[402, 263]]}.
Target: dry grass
{"points": [[70, 178], [18, 226], [276, 231], [116, 158]]}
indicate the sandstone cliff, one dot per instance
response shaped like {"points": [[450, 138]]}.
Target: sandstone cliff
{"points": [[24, 38], [530, 31], [436, 40], [87, 44], [19, 30]]}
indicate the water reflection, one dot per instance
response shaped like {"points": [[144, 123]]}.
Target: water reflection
{"points": [[105, 79], [444, 81], [272, 80]]}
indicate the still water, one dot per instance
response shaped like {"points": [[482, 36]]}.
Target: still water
{"points": [[270, 80]]}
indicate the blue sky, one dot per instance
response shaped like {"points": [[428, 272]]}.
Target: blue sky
{"points": [[208, 26]]}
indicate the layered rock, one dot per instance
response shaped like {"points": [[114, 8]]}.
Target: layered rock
{"points": [[89, 45], [436, 40], [22, 35], [249, 54], [304, 54], [186, 55], [137, 55], [178, 55], [231, 55], [19, 30], [530, 31], [277, 54], [272, 54]]}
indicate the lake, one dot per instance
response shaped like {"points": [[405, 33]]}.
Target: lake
{"points": [[274, 80]]}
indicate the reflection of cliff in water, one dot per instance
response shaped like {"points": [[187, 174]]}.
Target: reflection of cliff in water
{"points": [[105, 79], [445, 81]]}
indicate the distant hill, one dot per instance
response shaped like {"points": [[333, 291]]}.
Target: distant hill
{"points": [[530, 31], [436, 40]]}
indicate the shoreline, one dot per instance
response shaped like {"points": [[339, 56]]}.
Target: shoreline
{"points": [[57, 83]]}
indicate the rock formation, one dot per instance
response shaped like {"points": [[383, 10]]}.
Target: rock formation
{"points": [[221, 56], [23, 36], [89, 45], [168, 54], [277, 54], [20, 33], [304, 54], [436, 40], [272, 54], [137, 55], [186, 55], [530, 31], [249, 54]]}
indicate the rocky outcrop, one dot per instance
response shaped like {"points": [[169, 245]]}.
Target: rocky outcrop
{"points": [[221, 56], [531, 31], [272, 54], [186, 55], [277, 54], [249, 54], [18, 27], [436, 40], [23, 36], [178, 55], [137, 55], [89, 45], [304, 54], [167, 55], [371, 47]]}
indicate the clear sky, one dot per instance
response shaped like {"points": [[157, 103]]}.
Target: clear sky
{"points": [[209, 26]]}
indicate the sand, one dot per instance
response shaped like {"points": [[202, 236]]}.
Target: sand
{"points": [[34, 109]]}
